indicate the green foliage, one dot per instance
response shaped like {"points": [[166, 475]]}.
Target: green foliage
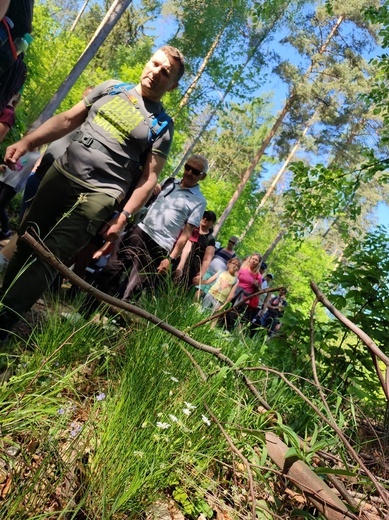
{"points": [[363, 287], [317, 192]]}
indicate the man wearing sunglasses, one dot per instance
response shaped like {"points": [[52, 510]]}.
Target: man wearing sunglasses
{"points": [[112, 165], [149, 248]]}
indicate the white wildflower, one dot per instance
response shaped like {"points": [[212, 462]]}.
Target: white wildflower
{"points": [[190, 405], [163, 425], [174, 379], [205, 420], [139, 454], [186, 411], [173, 418]]}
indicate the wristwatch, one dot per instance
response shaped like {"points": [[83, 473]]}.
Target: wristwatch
{"points": [[127, 215]]}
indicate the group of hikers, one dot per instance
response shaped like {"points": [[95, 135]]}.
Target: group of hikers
{"points": [[98, 196]]}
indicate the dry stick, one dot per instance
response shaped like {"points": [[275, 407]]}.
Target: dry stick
{"points": [[47, 256], [374, 350], [194, 363], [314, 488], [380, 489], [335, 482], [241, 456], [240, 304]]}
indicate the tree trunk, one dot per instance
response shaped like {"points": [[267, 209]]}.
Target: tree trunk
{"points": [[288, 103], [184, 101], [276, 180], [273, 245], [80, 13], [111, 18]]}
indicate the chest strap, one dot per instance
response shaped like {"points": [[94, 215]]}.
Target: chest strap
{"points": [[91, 142]]}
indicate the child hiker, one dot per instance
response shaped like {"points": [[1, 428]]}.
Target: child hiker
{"points": [[222, 284]]}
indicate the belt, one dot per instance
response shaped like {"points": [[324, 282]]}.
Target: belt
{"points": [[91, 142]]}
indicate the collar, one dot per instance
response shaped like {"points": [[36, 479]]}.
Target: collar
{"points": [[194, 189]]}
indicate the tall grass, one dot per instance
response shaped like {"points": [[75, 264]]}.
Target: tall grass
{"points": [[100, 422]]}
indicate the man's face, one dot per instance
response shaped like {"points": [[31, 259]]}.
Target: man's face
{"points": [[159, 76], [231, 244], [193, 173]]}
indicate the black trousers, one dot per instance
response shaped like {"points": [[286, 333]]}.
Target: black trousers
{"points": [[132, 265]]}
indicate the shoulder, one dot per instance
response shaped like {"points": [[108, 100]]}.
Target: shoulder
{"points": [[100, 91]]}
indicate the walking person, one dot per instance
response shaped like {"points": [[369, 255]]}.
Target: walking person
{"points": [[150, 248], [112, 158]]}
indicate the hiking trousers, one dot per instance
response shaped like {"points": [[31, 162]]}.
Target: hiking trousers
{"points": [[66, 216]]}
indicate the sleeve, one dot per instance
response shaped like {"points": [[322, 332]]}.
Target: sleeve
{"points": [[197, 214], [211, 241], [162, 144], [7, 116]]}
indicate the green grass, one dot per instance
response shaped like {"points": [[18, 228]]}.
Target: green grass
{"points": [[100, 422]]}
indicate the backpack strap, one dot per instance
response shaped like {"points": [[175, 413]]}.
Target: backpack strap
{"points": [[10, 39]]}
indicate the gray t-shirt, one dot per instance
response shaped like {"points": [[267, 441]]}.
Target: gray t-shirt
{"points": [[173, 209], [120, 123]]}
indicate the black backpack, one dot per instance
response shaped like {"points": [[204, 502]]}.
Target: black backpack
{"points": [[13, 70]]}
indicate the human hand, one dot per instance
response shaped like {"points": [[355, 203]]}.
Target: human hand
{"points": [[14, 152], [164, 266], [97, 255], [157, 189], [112, 230]]}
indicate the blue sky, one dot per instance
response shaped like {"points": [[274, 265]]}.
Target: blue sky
{"points": [[273, 83]]}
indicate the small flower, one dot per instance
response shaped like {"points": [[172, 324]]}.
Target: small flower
{"points": [[174, 379], [205, 420], [190, 405], [75, 429], [163, 425], [61, 411], [139, 454], [186, 411], [100, 396], [82, 198], [173, 418]]}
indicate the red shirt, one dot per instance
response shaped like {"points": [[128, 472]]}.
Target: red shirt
{"points": [[7, 116]]}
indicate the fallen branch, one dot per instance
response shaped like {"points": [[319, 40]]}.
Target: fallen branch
{"points": [[329, 504], [374, 350], [48, 257], [315, 489]]}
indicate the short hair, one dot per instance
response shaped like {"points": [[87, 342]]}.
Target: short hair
{"points": [[198, 157], [177, 56], [210, 215]]}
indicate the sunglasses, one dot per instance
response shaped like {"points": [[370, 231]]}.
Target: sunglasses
{"points": [[195, 171], [232, 242]]}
